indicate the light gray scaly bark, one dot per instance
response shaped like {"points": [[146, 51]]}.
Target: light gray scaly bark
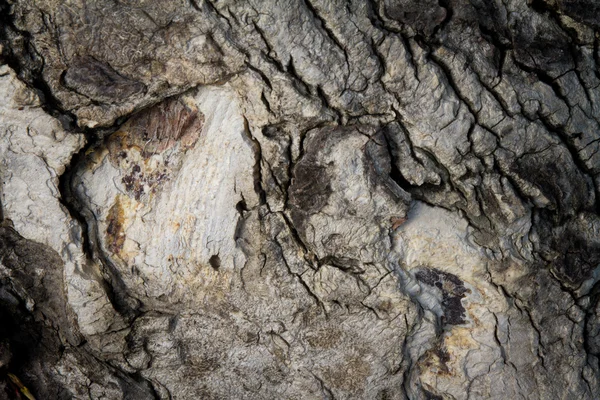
{"points": [[384, 199]]}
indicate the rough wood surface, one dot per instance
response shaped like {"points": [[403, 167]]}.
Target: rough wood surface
{"points": [[312, 199]]}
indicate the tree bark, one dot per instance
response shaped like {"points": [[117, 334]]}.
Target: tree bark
{"points": [[384, 199]]}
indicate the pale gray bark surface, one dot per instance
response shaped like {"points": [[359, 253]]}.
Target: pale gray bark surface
{"points": [[392, 199]]}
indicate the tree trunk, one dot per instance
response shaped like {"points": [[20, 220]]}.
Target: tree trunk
{"points": [[385, 199]]}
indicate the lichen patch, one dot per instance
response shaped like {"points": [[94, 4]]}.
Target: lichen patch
{"points": [[118, 219], [115, 235], [148, 147]]}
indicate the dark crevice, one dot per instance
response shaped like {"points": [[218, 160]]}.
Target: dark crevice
{"points": [[270, 54], [380, 60], [590, 313], [412, 61], [212, 9], [395, 173], [266, 103], [312, 259], [113, 284], [446, 72], [328, 32], [543, 77], [261, 74], [411, 147], [290, 172], [1, 205], [438, 30], [331, 36], [377, 21], [325, 101], [260, 191], [566, 139], [539, 6], [327, 393], [195, 5], [302, 87], [299, 277], [311, 293], [68, 200], [29, 57]]}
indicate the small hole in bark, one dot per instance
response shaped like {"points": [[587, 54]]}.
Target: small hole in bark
{"points": [[215, 262], [241, 207]]}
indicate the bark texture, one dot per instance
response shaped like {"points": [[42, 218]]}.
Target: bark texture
{"points": [[303, 199]]}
